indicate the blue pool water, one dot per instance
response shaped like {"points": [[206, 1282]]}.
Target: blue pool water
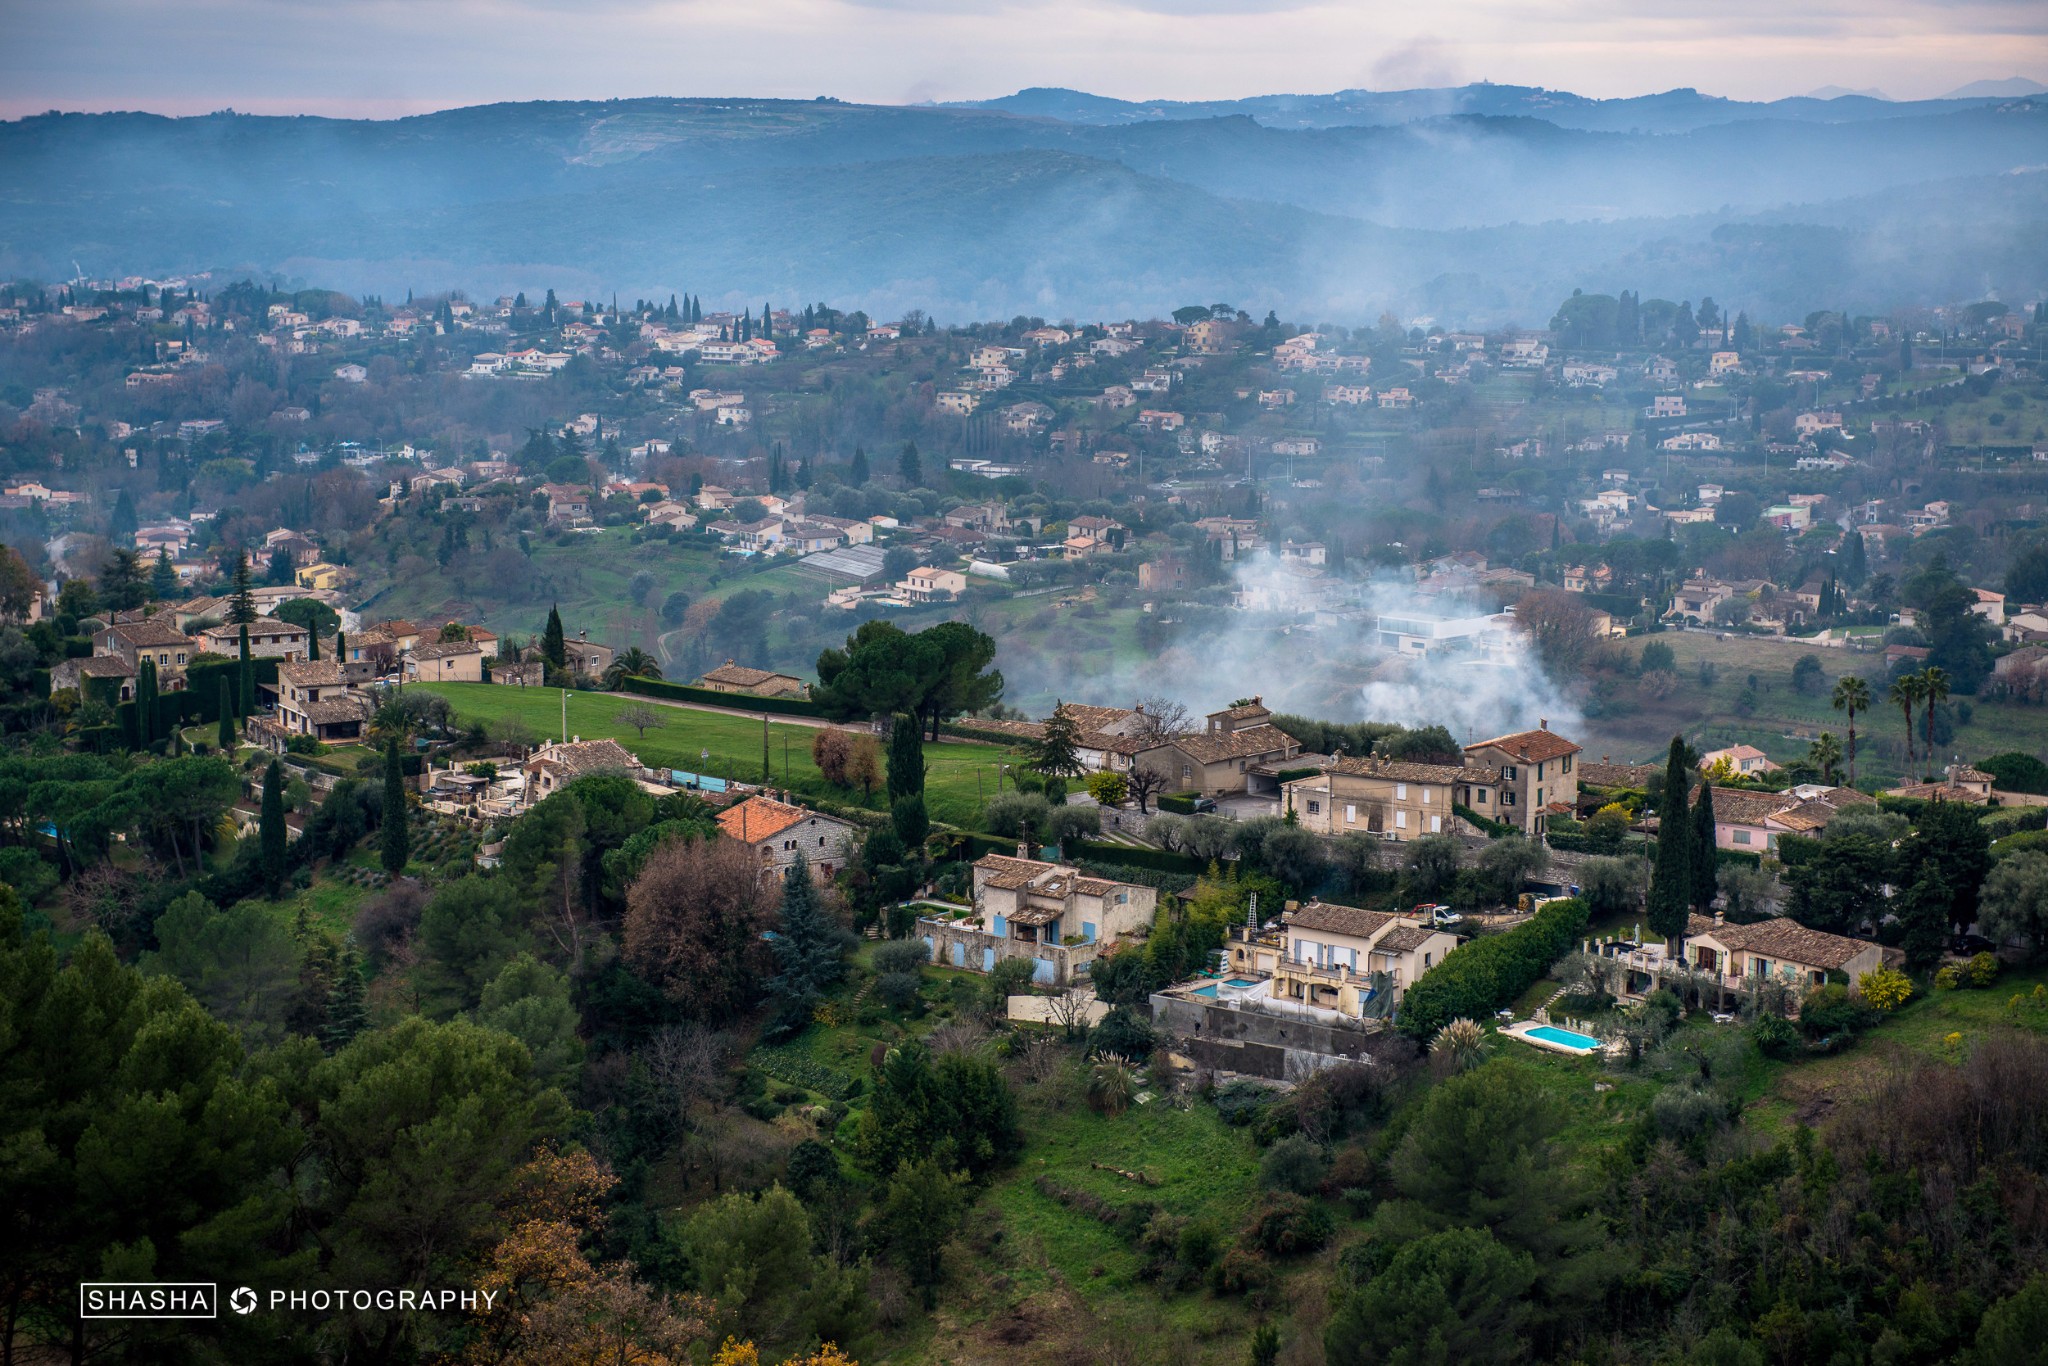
{"points": [[1206, 989], [1241, 982], [1564, 1037]]}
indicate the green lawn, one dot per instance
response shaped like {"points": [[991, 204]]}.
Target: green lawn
{"points": [[1711, 714], [958, 775]]}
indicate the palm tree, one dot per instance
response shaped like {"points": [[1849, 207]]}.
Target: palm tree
{"points": [[1933, 691], [633, 663], [1905, 695], [1852, 695], [1824, 754]]}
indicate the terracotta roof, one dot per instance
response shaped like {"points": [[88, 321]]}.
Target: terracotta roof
{"points": [[443, 649], [147, 633], [588, 756], [1011, 873], [1733, 806], [330, 710], [1604, 774], [1359, 924], [1236, 744], [103, 666], [1402, 771], [1783, 938], [1252, 708], [311, 673], [760, 818], [1404, 939], [1529, 746], [740, 676]]}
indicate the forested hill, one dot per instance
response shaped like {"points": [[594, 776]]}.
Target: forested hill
{"points": [[1479, 217]]}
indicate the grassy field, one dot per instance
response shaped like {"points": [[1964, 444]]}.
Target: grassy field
{"points": [[1785, 721], [588, 576], [958, 775]]}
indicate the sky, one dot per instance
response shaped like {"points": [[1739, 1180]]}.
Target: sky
{"points": [[386, 58]]}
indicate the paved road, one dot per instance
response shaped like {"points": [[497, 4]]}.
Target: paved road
{"points": [[779, 718]]}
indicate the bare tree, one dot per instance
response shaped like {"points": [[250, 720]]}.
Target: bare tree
{"points": [[1069, 1010], [1144, 784], [1159, 719], [641, 717]]}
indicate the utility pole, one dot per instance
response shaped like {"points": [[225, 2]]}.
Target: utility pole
{"points": [[565, 716], [766, 772]]}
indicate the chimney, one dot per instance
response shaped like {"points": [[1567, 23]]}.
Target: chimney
{"points": [[1720, 918], [1023, 849], [1544, 723]]}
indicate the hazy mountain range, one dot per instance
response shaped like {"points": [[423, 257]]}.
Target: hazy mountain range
{"points": [[1479, 205]]}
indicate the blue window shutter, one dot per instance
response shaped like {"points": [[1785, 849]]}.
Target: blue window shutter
{"points": [[1088, 931], [1002, 930]]}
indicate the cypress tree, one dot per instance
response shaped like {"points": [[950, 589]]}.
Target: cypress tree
{"points": [[227, 718], [247, 689], [554, 646], [906, 758], [1671, 882], [163, 577], [396, 841], [242, 606], [1705, 879], [270, 829], [312, 646], [145, 704], [340, 647], [858, 475], [348, 1012]]}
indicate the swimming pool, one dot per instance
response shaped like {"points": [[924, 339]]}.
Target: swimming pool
{"points": [[1206, 989], [1561, 1038]]}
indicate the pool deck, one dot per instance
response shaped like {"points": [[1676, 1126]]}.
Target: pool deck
{"points": [[1520, 1029]]}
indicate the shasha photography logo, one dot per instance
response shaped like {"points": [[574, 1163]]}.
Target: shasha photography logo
{"points": [[148, 1300], [201, 1300]]}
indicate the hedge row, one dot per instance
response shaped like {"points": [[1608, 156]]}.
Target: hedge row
{"points": [[1181, 803], [1160, 860], [967, 730], [1481, 977], [711, 697]]}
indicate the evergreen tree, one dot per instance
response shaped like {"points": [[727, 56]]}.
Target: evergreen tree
{"points": [[242, 604], [348, 1012], [1855, 562], [246, 693], [395, 842], [857, 475], [910, 467], [226, 737], [163, 577], [554, 646], [270, 829], [911, 822], [312, 646], [906, 758], [145, 703], [1057, 752], [810, 950], [1923, 915], [122, 524], [340, 648], [1671, 882], [1705, 879]]}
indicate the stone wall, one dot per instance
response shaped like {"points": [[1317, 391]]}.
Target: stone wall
{"points": [[1258, 1043]]}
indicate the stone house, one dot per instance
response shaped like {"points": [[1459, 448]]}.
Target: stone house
{"points": [[778, 831], [738, 678], [1052, 914], [1532, 778], [1341, 958], [1215, 760]]}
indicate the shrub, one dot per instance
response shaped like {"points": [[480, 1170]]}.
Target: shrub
{"points": [[1182, 803], [1108, 789], [1665, 1004], [1488, 973], [901, 955], [1682, 1113], [1242, 1273], [1982, 969], [1241, 1102], [1123, 1032], [1885, 988], [1289, 1225], [1775, 1036], [1293, 1164], [1112, 1083], [1948, 978], [1199, 1244], [1832, 1010], [898, 990]]}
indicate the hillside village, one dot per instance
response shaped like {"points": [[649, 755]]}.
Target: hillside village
{"points": [[1031, 814]]}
